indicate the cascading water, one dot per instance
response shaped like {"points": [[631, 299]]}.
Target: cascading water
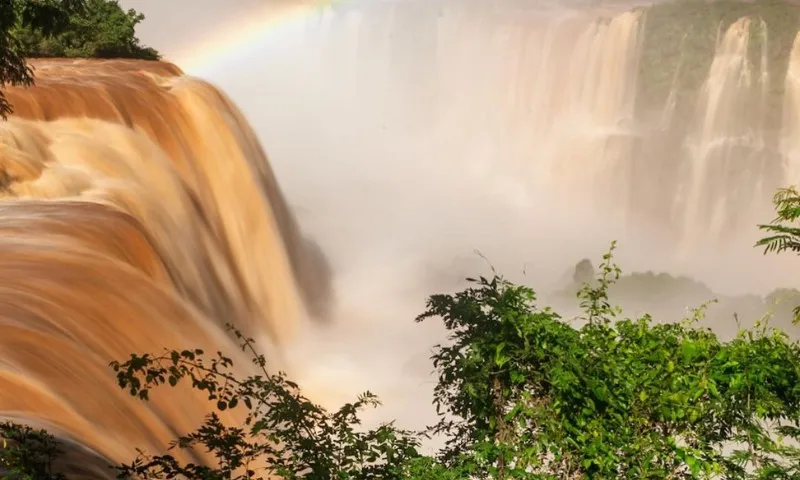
{"points": [[727, 138], [137, 212], [607, 109]]}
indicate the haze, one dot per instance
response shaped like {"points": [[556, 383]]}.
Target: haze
{"points": [[406, 138]]}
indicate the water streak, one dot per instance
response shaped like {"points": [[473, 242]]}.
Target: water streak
{"points": [[729, 138], [790, 136]]}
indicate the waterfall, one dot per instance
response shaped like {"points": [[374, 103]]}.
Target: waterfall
{"points": [[726, 149]]}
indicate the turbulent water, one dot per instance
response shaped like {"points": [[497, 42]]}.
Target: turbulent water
{"points": [[137, 212]]}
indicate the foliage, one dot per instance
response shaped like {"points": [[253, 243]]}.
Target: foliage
{"points": [[100, 30], [74, 28], [522, 394], [27, 454], [284, 433], [784, 234], [47, 17]]}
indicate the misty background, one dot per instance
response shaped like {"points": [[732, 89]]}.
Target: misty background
{"points": [[407, 135]]}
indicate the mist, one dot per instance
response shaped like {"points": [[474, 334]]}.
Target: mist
{"points": [[408, 135]]}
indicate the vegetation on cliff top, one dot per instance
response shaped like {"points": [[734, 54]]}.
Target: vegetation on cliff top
{"points": [[99, 29], [63, 28]]}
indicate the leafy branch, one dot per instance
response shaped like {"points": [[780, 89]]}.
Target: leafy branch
{"points": [[27, 453], [784, 234], [284, 433]]}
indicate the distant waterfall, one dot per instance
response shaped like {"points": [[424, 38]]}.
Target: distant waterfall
{"points": [[726, 148], [686, 131]]}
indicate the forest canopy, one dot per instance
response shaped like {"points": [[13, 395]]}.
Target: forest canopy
{"points": [[63, 28], [91, 29]]}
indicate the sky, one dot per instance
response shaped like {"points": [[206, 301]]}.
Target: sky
{"points": [[166, 28], [198, 35]]}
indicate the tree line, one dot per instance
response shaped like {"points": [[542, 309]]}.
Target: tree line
{"points": [[64, 28]]}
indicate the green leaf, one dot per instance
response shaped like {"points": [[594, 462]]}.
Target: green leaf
{"points": [[499, 358]]}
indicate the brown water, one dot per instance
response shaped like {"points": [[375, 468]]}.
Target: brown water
{"points": [[137, 212]]}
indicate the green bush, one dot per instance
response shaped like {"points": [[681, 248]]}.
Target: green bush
{"points": [[99, 29], [534, 397], [63, 28]]}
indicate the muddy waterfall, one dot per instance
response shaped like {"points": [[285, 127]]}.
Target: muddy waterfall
{"points": [[138, 212]]}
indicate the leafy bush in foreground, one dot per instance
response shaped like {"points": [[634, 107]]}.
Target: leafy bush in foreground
{"points": [[284, 433], [525, 395], [27, 454]]}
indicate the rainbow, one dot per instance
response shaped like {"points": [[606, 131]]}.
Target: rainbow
{"points": [[246, 30]]}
